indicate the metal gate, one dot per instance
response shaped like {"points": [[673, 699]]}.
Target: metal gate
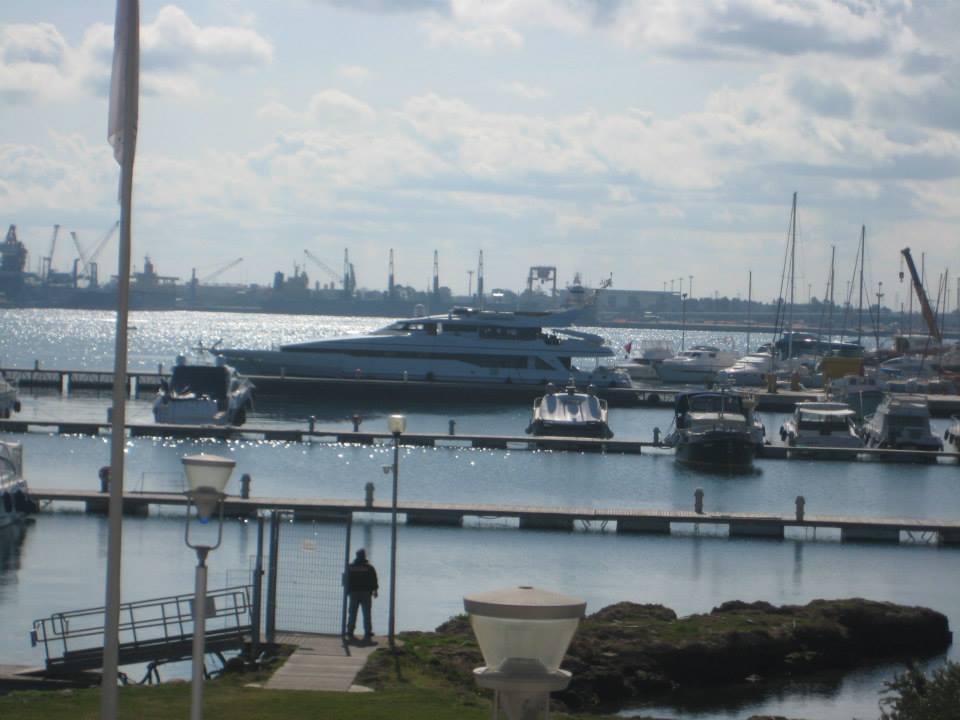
{"points": [[305, 591]]}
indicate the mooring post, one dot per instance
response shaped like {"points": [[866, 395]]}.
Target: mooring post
{"points": [[368, 500], [356, 423], [453, 427], [256, 610], [656, 436], [313, 422], [245, 486], [698, 501], [271, 613], [104, 479], [801, 503]]}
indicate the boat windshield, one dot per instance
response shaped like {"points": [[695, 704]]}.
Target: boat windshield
{"points": [[714, 403]]}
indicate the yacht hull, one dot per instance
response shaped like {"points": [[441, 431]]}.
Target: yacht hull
{"points": [[717, 449]]}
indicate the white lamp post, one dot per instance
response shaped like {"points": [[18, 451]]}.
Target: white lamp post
{"points": [[523, 633], [397, 425], [207, 476]]}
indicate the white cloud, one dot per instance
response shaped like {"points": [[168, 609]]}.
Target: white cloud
{"points": [[36, 62], [336, 106], [527, 92], [354, 72]]}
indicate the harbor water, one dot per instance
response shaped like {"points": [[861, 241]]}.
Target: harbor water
{"points": [[59, 563]]}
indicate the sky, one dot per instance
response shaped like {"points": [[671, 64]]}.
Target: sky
{"points": [[647, 140]]}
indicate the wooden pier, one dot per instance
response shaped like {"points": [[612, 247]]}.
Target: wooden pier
{"points": [[488, 442], [415, 390], [755, 525]]}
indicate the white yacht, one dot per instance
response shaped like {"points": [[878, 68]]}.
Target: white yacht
{"points": [[570, 413], [15, 501], [699, 364], [203, 395], [818, 425], [861, 392], [749, 371], [8, 398], [902, 422], [463, 346], [952, 434], [642, 364]]}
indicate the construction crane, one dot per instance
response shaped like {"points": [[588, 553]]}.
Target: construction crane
{"points": [[46, 266], [219, 271], [337, 280], [928, 315]]}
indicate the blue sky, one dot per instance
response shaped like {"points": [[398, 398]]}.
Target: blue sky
{"points": [[651, 139]]}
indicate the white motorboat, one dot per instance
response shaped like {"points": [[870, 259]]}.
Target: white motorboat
{"points": [[818, 425], [863, 393], [952, 434], [902, 422], [713, 429], [15, 501], [463, 346], [749, 371], [203, 395], [9, 403], [699, 364], [641, 364], [570, 414]]}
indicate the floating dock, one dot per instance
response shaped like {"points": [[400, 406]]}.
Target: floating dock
{"points": [[490, 442], [762, 525]]}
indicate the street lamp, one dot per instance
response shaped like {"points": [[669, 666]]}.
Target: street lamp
{"points": [[207, 476], [523, 633], [397, 424]]}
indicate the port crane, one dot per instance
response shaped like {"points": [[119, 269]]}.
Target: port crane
{"points": [[925, 308], [347, 281], [46, 266], [89, 269], [195, 281]]}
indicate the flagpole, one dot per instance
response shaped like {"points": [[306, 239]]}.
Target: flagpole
{"points": [[122, 134]]}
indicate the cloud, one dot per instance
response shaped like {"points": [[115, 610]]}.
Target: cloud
{"points": [[36, 62], [173, 40], [354, 72], [824, 97], [527, 92]]}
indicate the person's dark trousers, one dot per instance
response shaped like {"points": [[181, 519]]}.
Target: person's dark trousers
{"points": [[360, 599]]}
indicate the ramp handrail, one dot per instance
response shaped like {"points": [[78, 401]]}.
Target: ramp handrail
{"points": [[154, 629]]}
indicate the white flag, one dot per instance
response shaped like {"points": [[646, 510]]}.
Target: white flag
{"points": [[125, 81]]}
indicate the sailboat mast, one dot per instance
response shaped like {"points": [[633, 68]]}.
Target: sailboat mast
{"points": [[793, 256], [833, 255], [749, 305], [863, 236]]}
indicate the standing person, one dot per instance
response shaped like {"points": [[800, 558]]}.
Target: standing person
{"points": [[362, 585]]}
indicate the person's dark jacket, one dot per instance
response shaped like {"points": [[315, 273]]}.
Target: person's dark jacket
{"points": [[361, 577]]}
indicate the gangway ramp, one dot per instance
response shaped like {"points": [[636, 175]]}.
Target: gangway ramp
{"points": [[155, 632]]}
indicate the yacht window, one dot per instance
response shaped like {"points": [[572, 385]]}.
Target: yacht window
{"points": [[540, 364]]}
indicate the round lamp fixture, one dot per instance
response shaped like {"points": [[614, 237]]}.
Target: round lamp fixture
{"points": [[397, 424]]}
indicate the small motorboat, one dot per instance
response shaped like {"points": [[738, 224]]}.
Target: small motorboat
{"points": [[699, 364], [9, 403], [815, 426], [203, 395], [642, 364], [952, 433], [15, 501], [902, 422], [570, 414], [714, 429]]}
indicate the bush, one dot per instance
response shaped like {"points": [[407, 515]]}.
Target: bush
{"points": [[916, 696]]}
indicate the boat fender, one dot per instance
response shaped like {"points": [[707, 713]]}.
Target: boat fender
{"points": [[16, 406]]}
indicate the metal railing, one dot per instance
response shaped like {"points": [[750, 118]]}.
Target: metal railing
{"points": [[154, 631]]}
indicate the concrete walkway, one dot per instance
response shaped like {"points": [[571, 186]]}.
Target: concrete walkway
{"points": [[320, 662]]}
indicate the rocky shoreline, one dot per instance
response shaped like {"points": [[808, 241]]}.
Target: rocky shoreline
{"points": [[628, 652]]}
